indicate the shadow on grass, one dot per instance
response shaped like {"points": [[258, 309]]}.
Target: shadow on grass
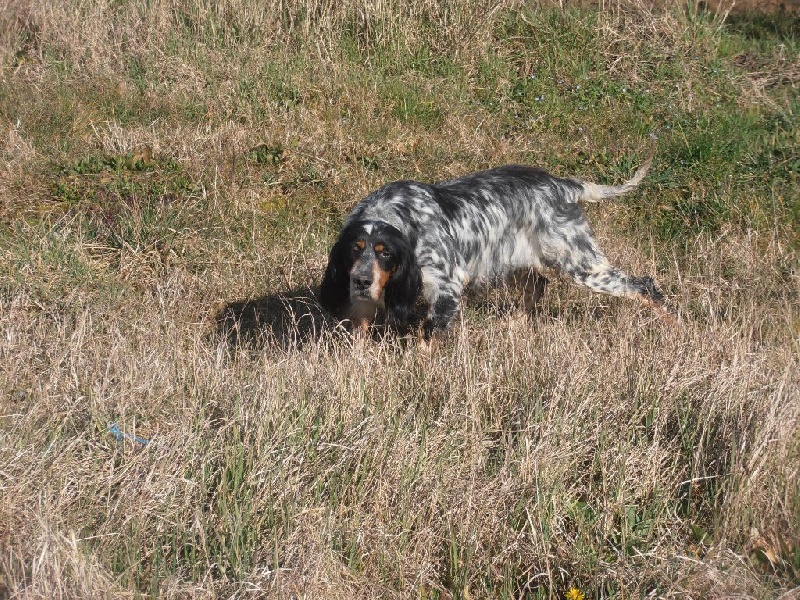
{"points": [[294, 318], [291, 319], [288, 319]]}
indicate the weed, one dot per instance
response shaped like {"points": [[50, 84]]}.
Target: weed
{"points": [[171, 178]]}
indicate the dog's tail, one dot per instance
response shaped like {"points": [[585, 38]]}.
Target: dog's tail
{"points": [[593, 192]]}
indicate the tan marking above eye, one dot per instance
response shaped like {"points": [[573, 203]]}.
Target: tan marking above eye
{"points": [[379, 247], [361, 244]]}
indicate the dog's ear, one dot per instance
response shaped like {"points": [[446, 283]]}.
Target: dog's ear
{"points": [[405, 285], [334, 293]]}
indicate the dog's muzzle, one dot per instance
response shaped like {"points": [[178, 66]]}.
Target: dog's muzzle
{"points": [[361, 280]]}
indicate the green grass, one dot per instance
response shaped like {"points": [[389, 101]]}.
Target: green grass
{"points": [[165, 165]]}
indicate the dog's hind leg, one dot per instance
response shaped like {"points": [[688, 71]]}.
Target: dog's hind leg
{"points": [[607, 279], [572, 250], [604, 278], [533, 288]]}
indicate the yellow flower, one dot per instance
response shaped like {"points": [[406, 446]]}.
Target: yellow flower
{"points": [[575, 594]]}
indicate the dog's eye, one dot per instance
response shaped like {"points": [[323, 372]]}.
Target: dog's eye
{"points": [[382, 251]]}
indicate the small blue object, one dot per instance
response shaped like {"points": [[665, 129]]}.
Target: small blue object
{"points": [[121, 435]]}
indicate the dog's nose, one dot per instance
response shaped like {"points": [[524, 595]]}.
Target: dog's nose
{"points": [[362, 282]]}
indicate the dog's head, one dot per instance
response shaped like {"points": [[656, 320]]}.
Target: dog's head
{"points": [[371, 263]]}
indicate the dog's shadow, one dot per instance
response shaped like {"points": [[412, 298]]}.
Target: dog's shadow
{"points": [[294, 318], [288, 319]]}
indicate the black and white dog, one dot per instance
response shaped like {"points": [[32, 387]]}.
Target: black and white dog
{"points": [[410, 238]]}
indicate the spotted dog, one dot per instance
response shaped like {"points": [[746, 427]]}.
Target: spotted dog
{"points": [[409, 239]]}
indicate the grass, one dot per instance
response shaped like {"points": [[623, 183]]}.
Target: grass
{"points": [[171, 178]]}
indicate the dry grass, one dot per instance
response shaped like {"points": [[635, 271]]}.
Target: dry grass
{"points": [[171, 178]]}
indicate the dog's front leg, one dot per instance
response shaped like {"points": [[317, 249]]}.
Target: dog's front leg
{"points": [[441, 313], [443, 278]]}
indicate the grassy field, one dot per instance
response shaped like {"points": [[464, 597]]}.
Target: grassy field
{"points": [[172, 174]]}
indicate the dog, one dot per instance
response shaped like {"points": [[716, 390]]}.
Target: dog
{"points": [[410, 239]]}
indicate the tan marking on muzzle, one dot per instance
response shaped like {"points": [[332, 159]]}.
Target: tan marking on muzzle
{"points": [[379, 279]]}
